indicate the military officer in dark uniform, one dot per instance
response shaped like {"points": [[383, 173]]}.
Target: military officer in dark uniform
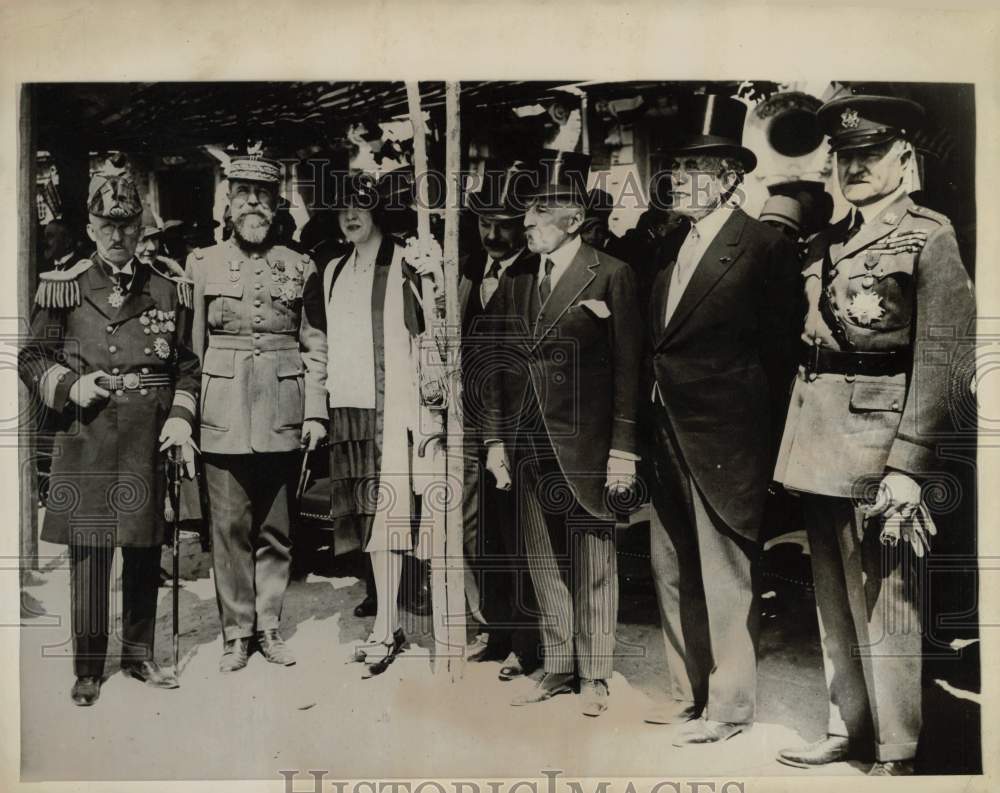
{"points": [[889, 303], [105, 355], [261, 399]]}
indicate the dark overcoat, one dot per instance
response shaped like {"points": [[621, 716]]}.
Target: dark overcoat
{"points": [[108, 481]]}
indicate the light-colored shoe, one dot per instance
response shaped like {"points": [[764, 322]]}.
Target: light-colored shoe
{"points": [[594, 694], [831, 749], [892, 768], [552, 684], [707, 731]]}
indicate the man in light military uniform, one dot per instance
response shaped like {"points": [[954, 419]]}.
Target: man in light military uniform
{"points": [[262, 401], [105, 354], [889, 303]]}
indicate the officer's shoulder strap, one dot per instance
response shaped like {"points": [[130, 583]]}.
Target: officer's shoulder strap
{"points": [[61, 288], [929, 214]]}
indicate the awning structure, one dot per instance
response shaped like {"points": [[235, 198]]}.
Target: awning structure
{"points": [[168, 116]]}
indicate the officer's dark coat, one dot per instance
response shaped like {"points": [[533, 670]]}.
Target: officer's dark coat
{"points": [[108, 482], [884, 296]]}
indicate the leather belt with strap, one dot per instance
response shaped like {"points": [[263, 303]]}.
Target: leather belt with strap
{"points": [[255, 341], [822, 360], [135, 381]]}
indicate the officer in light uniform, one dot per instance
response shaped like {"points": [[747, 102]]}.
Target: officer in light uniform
{"points": [[106, 356], [264, 374], [889, 305]]}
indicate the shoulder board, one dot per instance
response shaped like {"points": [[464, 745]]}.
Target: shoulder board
{"points": [[60, 288], [930, 214]]}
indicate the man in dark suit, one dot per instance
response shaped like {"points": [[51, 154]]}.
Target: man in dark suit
{"points": [[722, 327], [500, 598], [563, 395]]}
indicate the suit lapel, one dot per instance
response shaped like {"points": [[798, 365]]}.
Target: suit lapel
{"points": [[578, 276], [874, 230], [658, 309], [714, 263]]}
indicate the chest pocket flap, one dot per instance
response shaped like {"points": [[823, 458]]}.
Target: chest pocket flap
{"points": [[224, 289]]}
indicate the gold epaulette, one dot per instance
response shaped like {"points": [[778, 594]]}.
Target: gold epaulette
{"points": [[61, 288]]}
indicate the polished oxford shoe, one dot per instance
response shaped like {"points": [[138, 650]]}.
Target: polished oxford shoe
{"points": [[150, 673], [595, 697], [831, 749], [892, 768], [707, 731], [672, 713], [234, 655], [274, 649], [550, 685], [367, 607], [86, 690]]}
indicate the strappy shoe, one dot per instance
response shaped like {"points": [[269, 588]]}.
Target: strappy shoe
{"points": [[388, 652]]}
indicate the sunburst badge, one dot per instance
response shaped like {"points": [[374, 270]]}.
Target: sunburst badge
{"points": [[849, 119], [162, 348], [865, 308]]}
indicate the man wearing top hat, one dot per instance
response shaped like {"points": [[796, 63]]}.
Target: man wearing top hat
{"points": [[561, 422], [501, 600], [721, 333], [889, 304], [106, 355], [263, 398]]}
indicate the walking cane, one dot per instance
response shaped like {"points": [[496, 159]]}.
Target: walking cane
{"points": [[174, 468]]}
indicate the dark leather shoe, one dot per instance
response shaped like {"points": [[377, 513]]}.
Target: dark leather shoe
{"points": [[672, 713], [86, 690], [708, 731], [367, 607], [274, 649], [513, 667], [551, 684], [892, 768], [832, 749], [150, 673], [234, 655]]}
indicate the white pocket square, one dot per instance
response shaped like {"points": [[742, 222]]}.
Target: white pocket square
{"points": [[596, 307]]}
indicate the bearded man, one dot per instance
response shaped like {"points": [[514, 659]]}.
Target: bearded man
{"points": [[264, 400]]}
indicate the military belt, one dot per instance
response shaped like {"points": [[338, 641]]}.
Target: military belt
{"points": [[135, 381], [823, 360], [260, 341]]}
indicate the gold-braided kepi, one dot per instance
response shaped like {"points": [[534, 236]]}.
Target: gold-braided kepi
{"points": [[254, 167]]}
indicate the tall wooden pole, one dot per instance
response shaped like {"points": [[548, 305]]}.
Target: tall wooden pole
{"points": [[447, 551], [27, 279]]}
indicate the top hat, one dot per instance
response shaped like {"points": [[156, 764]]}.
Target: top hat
{"points": [[561, 174], [714, 127], [853, 122], [112, 192], [784, 210], [503, 194]]}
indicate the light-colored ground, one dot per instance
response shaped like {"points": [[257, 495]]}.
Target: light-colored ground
{"points": [[320, 714]]}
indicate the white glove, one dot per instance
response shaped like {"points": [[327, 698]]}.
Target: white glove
{"points": [[903, 513], [313, 433], [498, 465], [85, 391], [176, 433]]}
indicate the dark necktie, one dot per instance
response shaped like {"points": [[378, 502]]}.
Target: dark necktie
{"points": [[490, 282], [856, 223], [545, 287]]}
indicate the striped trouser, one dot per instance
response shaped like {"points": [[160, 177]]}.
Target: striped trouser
{"points": [[571, 557]]}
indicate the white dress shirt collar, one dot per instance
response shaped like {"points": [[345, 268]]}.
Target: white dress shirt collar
{"points": [[561, 259], [504, 263]]}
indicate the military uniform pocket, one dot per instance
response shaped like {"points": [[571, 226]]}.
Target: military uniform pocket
{"points": [[290, 409], [218, 372], [878, 396]]}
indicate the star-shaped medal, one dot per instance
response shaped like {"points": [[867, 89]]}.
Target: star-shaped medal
{"points": [[865, 308], [117, 297]]}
